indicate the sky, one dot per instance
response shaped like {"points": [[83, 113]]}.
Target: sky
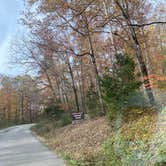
{"points": [[9, 26], [9, 15]]}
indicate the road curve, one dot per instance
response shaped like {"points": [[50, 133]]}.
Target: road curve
{"points": [[18, 147]]}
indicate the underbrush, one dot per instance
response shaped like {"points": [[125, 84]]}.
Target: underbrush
{"points": [[139, 124], [130, 145], [10, 123], [95, 143], [53, 117], [47, 124], [5, 124]]}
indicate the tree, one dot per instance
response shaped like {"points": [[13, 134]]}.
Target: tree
{"points": [[20, 99], [118, 86], [72, 43]]}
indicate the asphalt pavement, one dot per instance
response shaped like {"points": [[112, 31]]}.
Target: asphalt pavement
{"points": [[18, 147]]}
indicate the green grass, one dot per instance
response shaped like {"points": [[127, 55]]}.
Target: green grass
{"points": [[5, 124]]}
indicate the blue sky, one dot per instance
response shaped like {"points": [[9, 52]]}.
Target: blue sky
{"points": [[9, 15]]}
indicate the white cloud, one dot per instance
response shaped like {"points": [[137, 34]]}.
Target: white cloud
{"points": [[9, 14], [4, 54]]}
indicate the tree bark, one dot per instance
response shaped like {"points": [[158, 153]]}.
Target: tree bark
{"points": [[73, 84], [22, 106], [92, 55], [83, 88], [138, 53]]}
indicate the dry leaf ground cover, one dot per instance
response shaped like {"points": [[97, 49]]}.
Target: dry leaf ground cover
{"points": [[80, 140], [83, 141]]}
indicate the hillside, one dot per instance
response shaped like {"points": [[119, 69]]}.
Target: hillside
{"points": [[84, 143]]}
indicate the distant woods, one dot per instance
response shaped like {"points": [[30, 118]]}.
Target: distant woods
{"points": [[19, 99], [70, 45]]}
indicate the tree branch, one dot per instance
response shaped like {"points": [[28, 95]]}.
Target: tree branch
{"points": [[147, 24], [79, 55]]}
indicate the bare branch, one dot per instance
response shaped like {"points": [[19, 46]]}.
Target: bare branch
{"points": [[77, 54], [147, 24]]}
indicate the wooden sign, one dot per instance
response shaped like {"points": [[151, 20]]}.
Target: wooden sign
{"points": [[78, 116]]}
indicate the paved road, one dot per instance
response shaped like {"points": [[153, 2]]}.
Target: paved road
{"points": [[18, 147]]}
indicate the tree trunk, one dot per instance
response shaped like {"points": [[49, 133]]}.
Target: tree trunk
{"points": [[30, 111], [73, 84], [138, 53], [64, 91], [22, 106], [82, 88], [95, 69]]}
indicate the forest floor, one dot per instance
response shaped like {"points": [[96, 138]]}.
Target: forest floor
{"points": [[84, 141]]}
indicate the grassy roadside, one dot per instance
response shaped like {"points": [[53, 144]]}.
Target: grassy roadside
{"points": [[92, 142], [6, 124]]}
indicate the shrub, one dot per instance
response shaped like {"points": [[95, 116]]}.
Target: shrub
{"points": [[47, 125], [53, 117], [6, 123], [64, 120], [118, 84], [139, 123], [92, 160], [110, 157], [54, 110], [161, 163], [125, 153], [137, 99]]}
